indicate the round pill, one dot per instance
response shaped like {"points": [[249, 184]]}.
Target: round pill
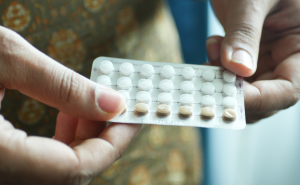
{"points": [[125, 94], [208, 101], [145, 84], [106, 67], [163, 110], [229, 90], [143, 97], [164, 98], [126, 69], [104, 80], [208, 88], [188, 73], [229, 102], [207, 113], [141, 109], [187, 87], [124, 83], [186, 99], [147, 70], [229, 77], [208, 75], [185, 111], [167, 71], [166, 85], [229, 115]]}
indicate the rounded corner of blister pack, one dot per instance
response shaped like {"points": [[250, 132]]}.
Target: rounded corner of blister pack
{"points": [[174, 94]]}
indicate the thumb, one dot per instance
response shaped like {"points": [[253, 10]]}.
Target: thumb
{"points": [[243, 27], [24, 68]]}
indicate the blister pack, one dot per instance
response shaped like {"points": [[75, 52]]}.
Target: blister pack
{"points": [[174, 94]]}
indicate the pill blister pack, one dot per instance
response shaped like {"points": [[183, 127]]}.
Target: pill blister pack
{"points": [[174, 94]]}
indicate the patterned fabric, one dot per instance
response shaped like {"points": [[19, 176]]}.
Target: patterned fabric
{"points": [[75, 32]]}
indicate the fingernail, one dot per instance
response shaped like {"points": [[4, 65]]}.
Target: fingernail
{"points": [[213, 48], [242, 57], [108, 100]]}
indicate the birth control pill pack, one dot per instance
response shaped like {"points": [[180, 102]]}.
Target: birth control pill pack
{"points": [[174, 94]]}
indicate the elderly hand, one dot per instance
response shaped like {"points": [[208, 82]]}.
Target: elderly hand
{"points": [[82, 146], [262, 41]]}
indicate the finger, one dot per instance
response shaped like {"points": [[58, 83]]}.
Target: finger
{"points": [[65, 129], [33, 73], [285, 47], [36, 160], [33, 160], [87, 183], [2, 92], [213, 48], [263, 98], [243, 27], [265, 76], [265, 65], [289, 70], [4, 125], [253, 117], [96, 155], [89, 129], [267, 95]]}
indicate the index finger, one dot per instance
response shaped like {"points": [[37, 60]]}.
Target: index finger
{"points": [[28, 70], [266, 96]]}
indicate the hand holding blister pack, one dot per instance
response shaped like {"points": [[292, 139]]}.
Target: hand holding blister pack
{"points": [[174, 94]]}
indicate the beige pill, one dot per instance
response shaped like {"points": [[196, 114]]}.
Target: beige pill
{"points": [[207, 113], [141, 109], [229, 115], [185, 111], [163, 110]]}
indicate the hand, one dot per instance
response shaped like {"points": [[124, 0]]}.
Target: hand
{"points": [[262, 41], [82, 146]]}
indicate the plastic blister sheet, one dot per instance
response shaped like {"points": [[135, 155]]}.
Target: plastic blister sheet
{"points": [[173, 119]]}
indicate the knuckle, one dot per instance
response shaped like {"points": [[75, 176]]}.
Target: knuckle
{"points": [[70, 86], [246, 34]]}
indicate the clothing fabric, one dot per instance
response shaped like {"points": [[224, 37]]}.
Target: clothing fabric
{"points": [[74, 33]]}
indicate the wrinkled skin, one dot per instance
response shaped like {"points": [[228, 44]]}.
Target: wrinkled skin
{"points": [[83, 146], [269, 31]]}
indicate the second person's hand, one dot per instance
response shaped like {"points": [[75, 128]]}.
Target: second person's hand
{"points": [[262, 42]]}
